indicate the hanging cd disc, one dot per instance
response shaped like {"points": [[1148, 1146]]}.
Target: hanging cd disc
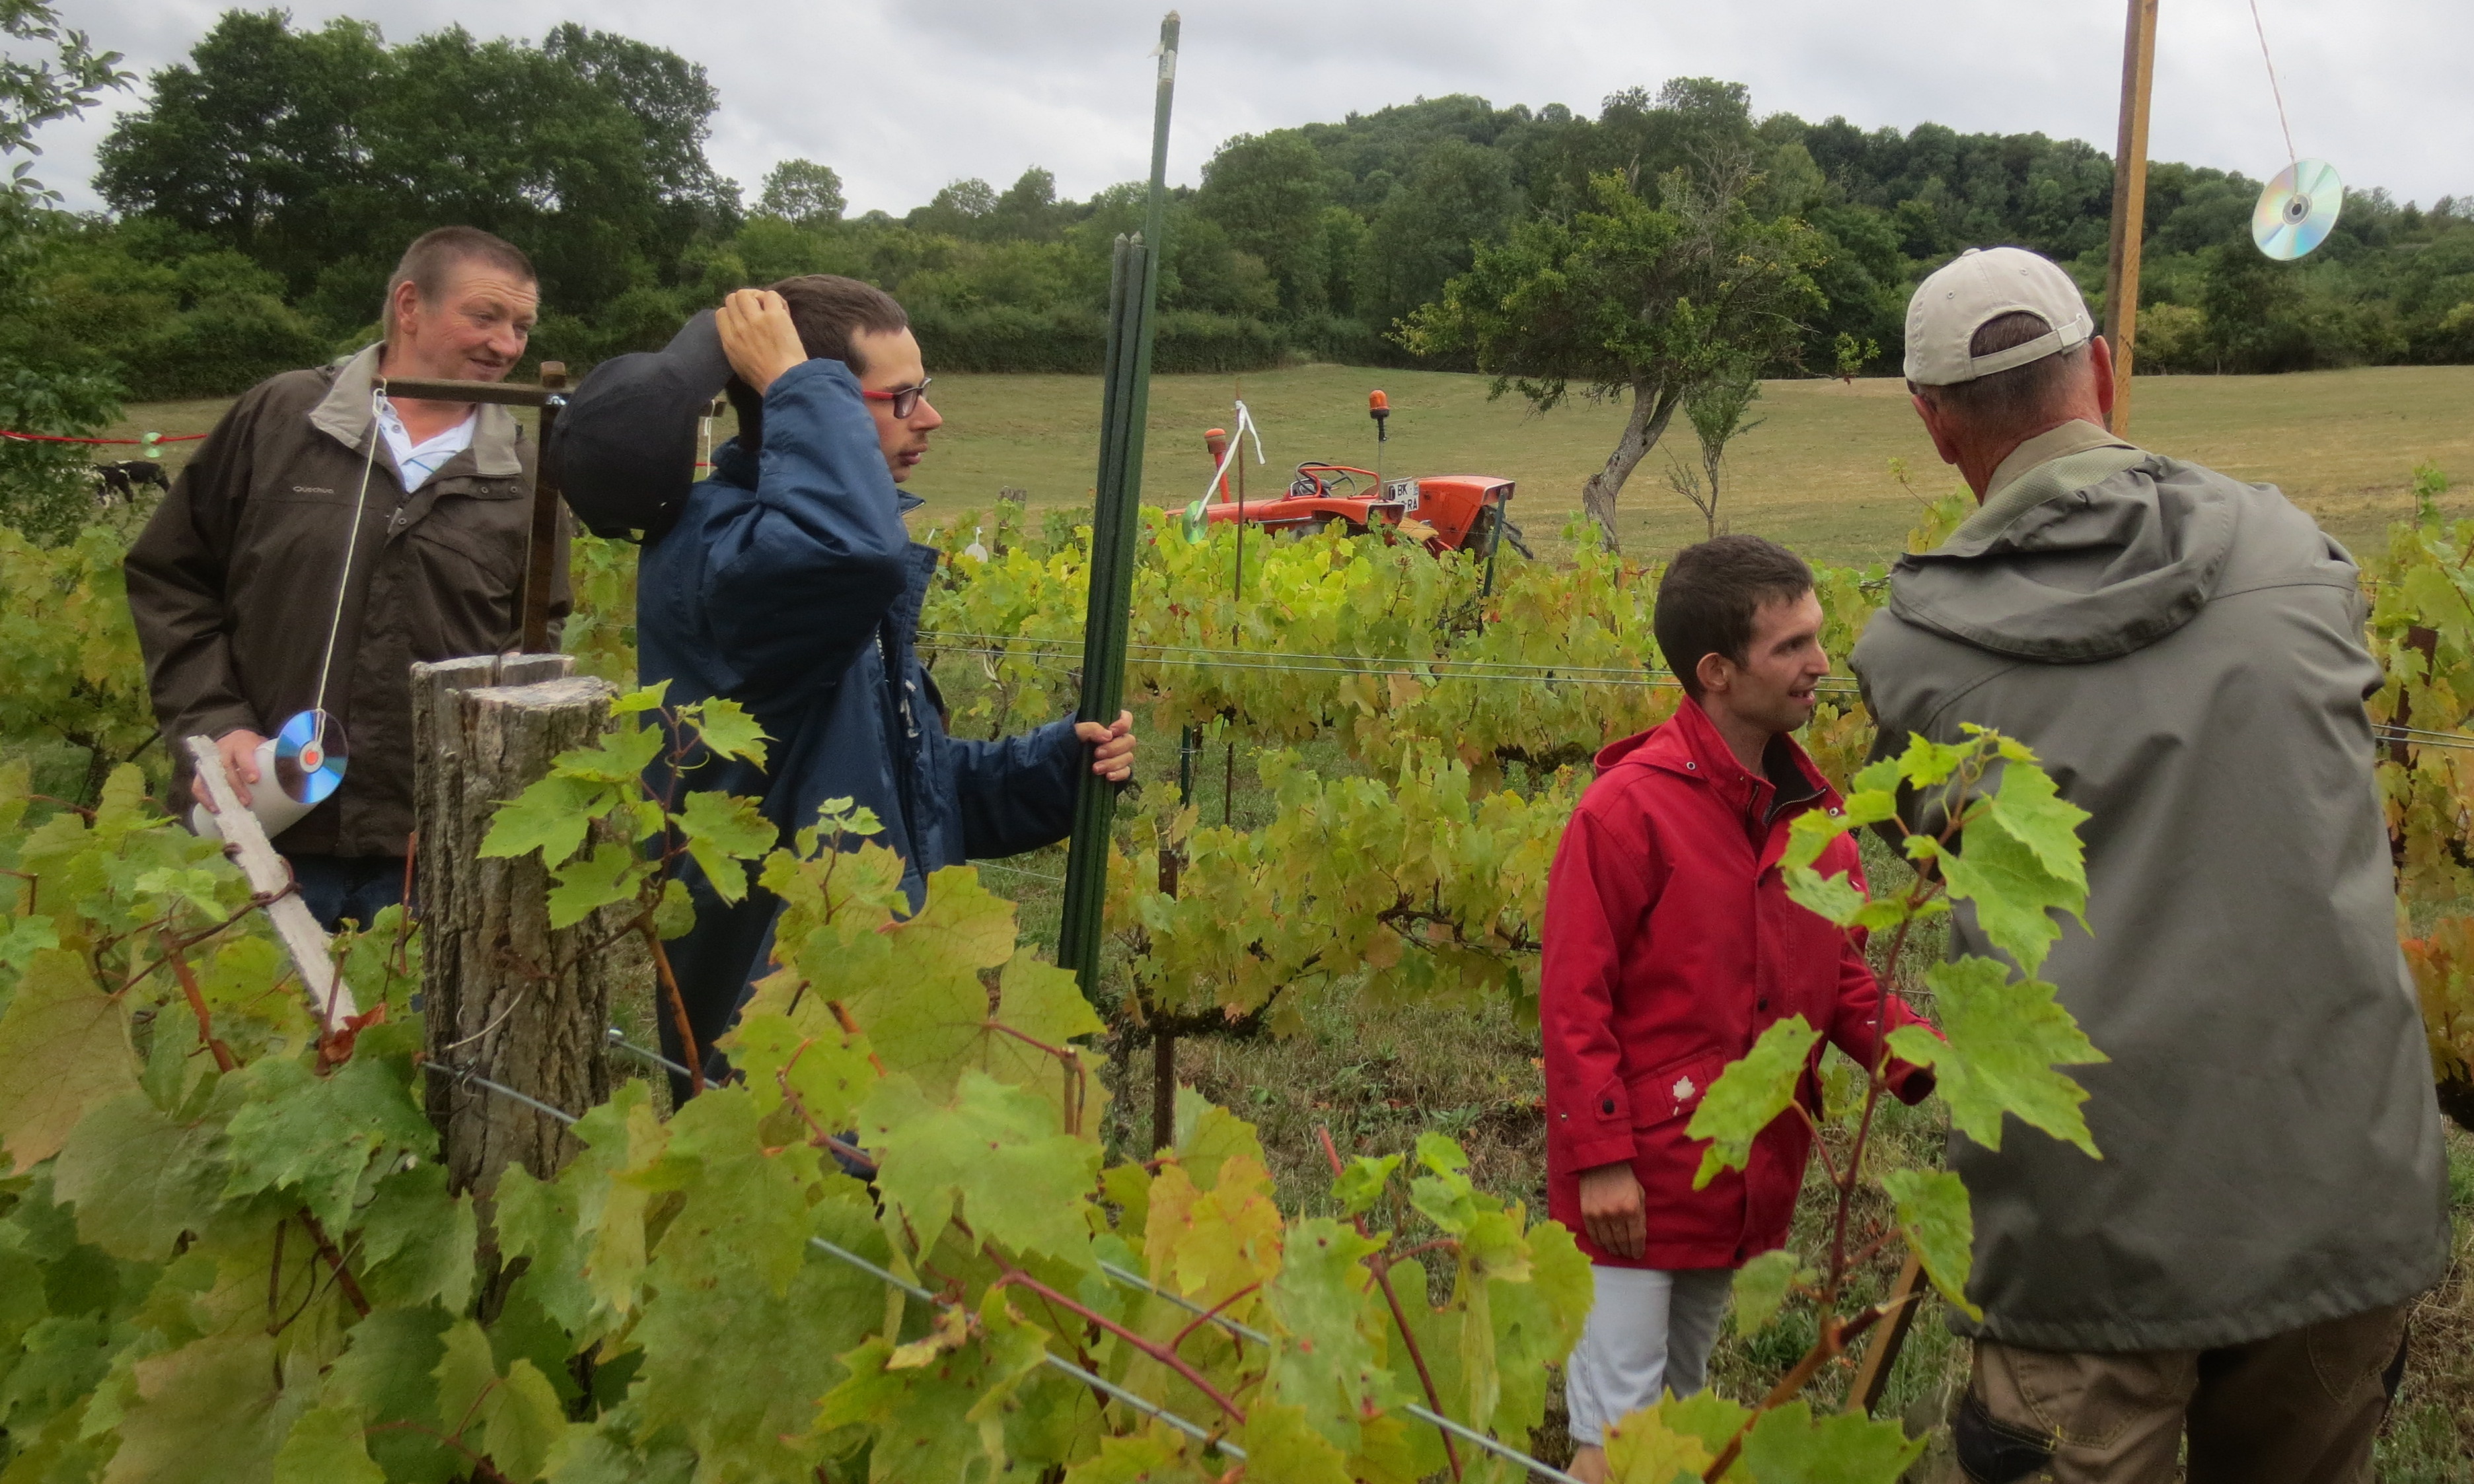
{"points": [[309, 756], [2298, 210]]}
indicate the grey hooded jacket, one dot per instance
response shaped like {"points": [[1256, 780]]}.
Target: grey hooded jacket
{"points": [[2183, 651]]}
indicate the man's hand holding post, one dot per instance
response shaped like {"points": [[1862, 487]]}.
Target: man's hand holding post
{"points": [[1112, 755]]}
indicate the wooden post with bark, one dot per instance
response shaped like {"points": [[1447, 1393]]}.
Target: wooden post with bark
{"points": [[504, 996]]}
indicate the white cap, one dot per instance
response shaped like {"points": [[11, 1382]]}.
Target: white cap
{"points": [[1985, 283]]}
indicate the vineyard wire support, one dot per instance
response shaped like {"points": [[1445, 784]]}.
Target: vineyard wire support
{"points": [[1246, 1332], [505, 993], [1054, 1361]]}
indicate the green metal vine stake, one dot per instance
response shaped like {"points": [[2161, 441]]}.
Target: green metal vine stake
{"points": [[1133, 290]]}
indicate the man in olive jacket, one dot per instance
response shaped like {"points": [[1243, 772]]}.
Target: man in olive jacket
{"points": [[234, 584], [2184, 652]]}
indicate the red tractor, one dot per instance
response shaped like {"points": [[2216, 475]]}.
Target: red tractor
{"points": [[1447, 512]]}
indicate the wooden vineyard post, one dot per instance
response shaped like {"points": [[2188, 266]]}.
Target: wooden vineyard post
{"points": [[503, 994], [1873, 1372], [541, 550], [2129, 205]]}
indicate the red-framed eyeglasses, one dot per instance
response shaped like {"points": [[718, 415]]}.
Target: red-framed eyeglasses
{"points": [[905, 399]]}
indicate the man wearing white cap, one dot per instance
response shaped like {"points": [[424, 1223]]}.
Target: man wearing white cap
{"points": [[2184, 652]]}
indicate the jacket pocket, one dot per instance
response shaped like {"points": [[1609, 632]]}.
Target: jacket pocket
{"points": [[1673, 1091]]}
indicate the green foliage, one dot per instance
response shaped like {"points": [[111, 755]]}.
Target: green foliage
{"points": [[321, 154], [70, 665], [1650, 299], [229, 1253], [52, 72], [302, 151], [802, 192]]}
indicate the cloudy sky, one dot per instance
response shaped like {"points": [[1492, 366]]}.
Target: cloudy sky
{"points": [[902, 95]]}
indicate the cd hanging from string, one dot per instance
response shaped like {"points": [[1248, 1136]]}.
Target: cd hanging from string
{"points": [[2298, 210], [299, 768], [310, 754]]}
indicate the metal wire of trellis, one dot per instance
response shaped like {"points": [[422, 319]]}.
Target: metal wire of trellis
{"points": [[1140, 1403], [1133, 1279], [1046, 655]]}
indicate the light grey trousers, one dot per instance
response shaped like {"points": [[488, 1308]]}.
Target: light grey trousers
{"points": [[1649, 1331]]}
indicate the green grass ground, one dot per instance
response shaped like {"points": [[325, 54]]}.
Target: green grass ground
{"points": [[1814, 474]]}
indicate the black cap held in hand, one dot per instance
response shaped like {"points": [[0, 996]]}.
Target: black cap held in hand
{"points": [[624, 450]]}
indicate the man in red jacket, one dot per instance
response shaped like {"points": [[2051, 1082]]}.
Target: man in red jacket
{"points": [[1672, 945]]}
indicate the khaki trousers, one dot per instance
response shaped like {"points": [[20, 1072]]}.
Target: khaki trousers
{"points": [[2300, 1407]]}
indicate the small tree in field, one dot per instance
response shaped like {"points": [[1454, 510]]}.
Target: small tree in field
{"points": [[1716, 410], [1631, 296]]}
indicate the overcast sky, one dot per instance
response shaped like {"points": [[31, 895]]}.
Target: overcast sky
{"points": [[901, 96]]}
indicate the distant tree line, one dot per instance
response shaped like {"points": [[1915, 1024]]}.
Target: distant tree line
{"points": [[260, 192]]}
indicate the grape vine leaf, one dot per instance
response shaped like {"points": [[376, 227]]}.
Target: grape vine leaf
{"points": [[417, 1241], [1360, 1182], [1145, 1458], [1843, 1447], [211, 1412], [2000, 1044], [827, 1069], [1208, 1135], [1209, 1244], [647, 698], [521, 1422], [937, 1423], [1643, 1450], [25, 937], [59, 1022], [385, 1376], [326, 1447], [588, 883], [1705, 1415], [1934, 1213], [619, 757], [994, 1151], [736, 1259], [550, 816], [1761, 1288], [1281, 1443], [726, 726], [1326, 1363], [138, 1179], [315, 1136], [2018, 862], [2030, 809], [1749, 1095], [465, 1372], [722, 833]]}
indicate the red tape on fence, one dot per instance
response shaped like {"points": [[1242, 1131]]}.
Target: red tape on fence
{"points": [[149, 440]]}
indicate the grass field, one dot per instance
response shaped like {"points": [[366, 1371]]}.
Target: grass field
{"points": [[1816, 472]]}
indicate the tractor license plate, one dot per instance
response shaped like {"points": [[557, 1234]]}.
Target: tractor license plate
{"points": [[1405, 490]]}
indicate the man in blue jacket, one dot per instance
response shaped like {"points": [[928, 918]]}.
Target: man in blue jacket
{"points": [[790, 584]]}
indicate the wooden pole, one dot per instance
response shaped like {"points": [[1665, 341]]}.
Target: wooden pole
{"points": [[541, 551], [503, 994], [245, 841], [2129, 205], [1873, 1372], [541, 543]]}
